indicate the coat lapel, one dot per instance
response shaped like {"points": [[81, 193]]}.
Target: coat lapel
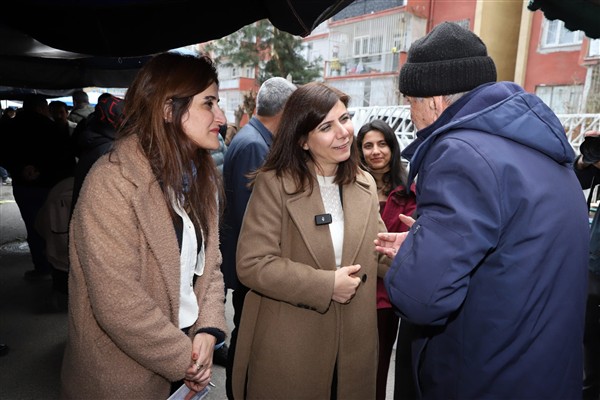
{"points": [[356, 204], [154, 218], [302, 209]]}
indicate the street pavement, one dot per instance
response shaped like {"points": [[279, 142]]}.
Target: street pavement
{"points": [[36, 337]]}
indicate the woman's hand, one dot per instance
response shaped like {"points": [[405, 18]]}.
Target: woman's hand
{"points": [[345, 284], [199, 372]]}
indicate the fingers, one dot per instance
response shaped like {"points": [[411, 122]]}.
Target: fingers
{"points": [[387, 251], [199, 366], [346, 283], [190, 395], [386, 236], [195, 387], [200, 375], [352, 269], [405, 219]]}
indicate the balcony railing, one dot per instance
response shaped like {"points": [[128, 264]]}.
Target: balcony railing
{"points": [[381, 63], [577, 124]]}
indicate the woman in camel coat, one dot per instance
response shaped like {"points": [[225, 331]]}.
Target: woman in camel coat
{"points": [[309, 325], [146, 300]]}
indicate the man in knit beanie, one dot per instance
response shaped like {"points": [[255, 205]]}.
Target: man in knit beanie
{"points": [[493, 270]]}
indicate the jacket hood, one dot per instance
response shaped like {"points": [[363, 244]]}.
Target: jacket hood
{"points": [[501, 109]]}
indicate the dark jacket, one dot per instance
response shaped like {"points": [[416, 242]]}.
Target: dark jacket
{"points": [[495, 266], [34, 140], [589, 178], [94, 137], [245, 154]]}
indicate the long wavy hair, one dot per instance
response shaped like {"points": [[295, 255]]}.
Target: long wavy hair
{"points": [[397, 174], [169, 81], [305, 109]]}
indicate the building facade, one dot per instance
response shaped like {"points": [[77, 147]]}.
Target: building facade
{"points": [[364, 46]]}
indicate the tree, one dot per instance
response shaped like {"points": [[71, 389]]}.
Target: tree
{"points": [[270, 51], [245, 47], [286, 60]]}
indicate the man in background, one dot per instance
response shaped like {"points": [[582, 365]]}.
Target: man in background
{"points": [[81, 106], [59, 113], [587, 169], [37, 155]]}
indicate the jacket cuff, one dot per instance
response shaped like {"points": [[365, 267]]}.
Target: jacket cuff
{"points": [[217, 333]]}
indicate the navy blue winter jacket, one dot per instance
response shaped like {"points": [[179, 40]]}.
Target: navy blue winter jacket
{"points": [[495, 267]]}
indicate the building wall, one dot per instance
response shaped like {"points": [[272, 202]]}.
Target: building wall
{"points": [[454, 11], [510, 31], [550, 68], [498, 25]]}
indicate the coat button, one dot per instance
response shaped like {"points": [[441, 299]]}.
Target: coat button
{"points": [[364, 278]]}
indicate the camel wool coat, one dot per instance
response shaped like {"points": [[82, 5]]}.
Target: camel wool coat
{"points": [[124, 340], [292, 335]]}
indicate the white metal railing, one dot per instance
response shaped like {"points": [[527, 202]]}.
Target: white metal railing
{"points": [[577, 124], [398, 117]]}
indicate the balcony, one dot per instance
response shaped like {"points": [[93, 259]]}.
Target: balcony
{"points": [[355, 66]]}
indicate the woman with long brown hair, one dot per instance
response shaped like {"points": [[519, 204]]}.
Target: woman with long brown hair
{"points": [[305, 251], [145, 289]]}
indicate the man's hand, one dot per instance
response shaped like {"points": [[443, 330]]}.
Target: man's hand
{"points": [[591, 133], [389, 243]]}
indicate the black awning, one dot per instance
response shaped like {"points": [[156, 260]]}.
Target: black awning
{"points": [[578, 15], [62, 44]]}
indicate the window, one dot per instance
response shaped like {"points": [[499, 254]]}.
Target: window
{"points": [[366, 45], [594, 50], [361, 45], [376, 45], [561, 99], [556, 35]]}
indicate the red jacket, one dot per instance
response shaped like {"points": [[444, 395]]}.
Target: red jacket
{"points": [[398, 202]]}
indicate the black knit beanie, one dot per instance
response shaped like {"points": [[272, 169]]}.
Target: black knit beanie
{"points": [[448, 60]]}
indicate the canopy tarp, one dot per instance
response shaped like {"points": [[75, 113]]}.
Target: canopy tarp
{"points": [[64, 44]]}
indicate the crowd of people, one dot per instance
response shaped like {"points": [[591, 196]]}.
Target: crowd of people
{"points": [[478, 263]]}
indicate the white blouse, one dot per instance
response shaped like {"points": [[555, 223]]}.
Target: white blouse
{"points": [[330, 193], [191, 262]]}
